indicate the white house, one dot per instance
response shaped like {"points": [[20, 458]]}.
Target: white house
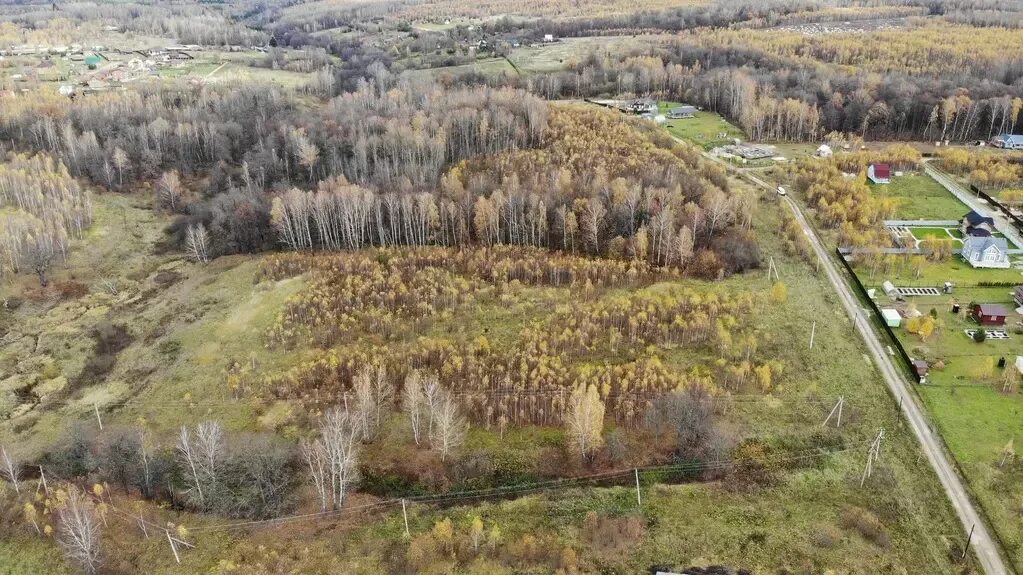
{"points": [[1008, 141], [986, 252]]}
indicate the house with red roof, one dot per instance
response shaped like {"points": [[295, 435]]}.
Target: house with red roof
{"points": [[880, 173]]}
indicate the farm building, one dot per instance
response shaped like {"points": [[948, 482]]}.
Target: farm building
{"points": [[824, 151], [681, 112], [988, 314], [891, 317], [880, 173], [977, 225], [986, 252], [1008, 141], [642, 106]]}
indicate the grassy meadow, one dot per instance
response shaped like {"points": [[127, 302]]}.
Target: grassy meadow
{"points": [[920, 197]]}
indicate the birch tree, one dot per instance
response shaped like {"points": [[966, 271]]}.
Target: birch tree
{"points": [[79, 530], [585, 420], [449, 428], [339, 434], [197, 241], [10, 468], [413, 402]]}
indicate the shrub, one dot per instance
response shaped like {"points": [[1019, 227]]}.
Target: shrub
{"points": [[980, 335], [866, 524]]}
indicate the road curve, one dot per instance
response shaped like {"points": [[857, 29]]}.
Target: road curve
{"points": [[984, 546]]}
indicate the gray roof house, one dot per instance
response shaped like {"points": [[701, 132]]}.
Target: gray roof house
{"points": [[986, 252], [680, 112], [1008, 141]]}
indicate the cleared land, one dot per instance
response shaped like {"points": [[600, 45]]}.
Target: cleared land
{"points": [[706, 129], [921, 198]]}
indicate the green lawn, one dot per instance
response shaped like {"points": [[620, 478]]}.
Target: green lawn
{"points": [[924, 233], [702, 130], [921, 197]]}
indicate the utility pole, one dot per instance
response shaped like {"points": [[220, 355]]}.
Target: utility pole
{"points": [[873, 455], [813, 331], [639, 499], [837, 409], [99, 420], [969, 538]]}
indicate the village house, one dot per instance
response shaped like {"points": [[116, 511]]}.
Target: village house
{"points": [[880, 173], [642, 106], [682, 112], [1008, 141], [986, 252], [988, 314], [975, 224]]}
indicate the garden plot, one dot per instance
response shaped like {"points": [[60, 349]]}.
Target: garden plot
{"points": [[918, 291], [991, 333]]}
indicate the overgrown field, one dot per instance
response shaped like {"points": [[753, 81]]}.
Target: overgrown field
{"points": [[205, 344]]}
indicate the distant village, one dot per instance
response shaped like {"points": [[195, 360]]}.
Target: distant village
{"points": [[81, 68]]}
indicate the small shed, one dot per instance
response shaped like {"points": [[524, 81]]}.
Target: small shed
{"points": [[920, 367], [1017, 295], [824, 151], [891, 317], [891, 291], [989, 314]]}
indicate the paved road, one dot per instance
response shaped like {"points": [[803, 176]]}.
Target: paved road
{"points": [[984, 546], [1002, 223]]}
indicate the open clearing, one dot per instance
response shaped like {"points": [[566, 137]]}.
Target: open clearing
{"points": [[706, 129], [921, 198]]}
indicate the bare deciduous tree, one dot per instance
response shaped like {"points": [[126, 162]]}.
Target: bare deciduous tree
{"points": [[121, 161], [449, 428], [315, 457], [339, 434], [169, 189], [202, 454], [10, 468], [79, 533], [197, 241], [413, 402]]}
